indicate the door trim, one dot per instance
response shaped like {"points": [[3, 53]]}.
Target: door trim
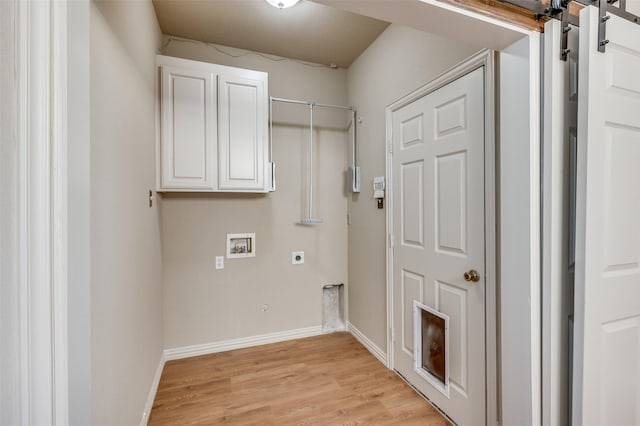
{"points": [[556, 222], [484, 58], [40, 339]]}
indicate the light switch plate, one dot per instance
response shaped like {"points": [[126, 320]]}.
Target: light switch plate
{"points": [[297, 257], [219, 262]]}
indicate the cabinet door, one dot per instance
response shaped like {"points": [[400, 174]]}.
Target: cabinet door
{"points": [[188, 136], [242, 124]]}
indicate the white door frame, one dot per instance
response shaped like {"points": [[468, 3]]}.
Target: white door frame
{"points": [[39, 58], [560, 85], [486, 59]]}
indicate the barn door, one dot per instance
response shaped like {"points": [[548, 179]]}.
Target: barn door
{"points": [[607, 304]]}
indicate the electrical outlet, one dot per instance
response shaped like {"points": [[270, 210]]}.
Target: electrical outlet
{"points": [[219, 262], [297, 258]]}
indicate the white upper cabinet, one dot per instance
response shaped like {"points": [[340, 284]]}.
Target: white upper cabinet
{"points": [[188, 129], [213, 127], [241, 131]]}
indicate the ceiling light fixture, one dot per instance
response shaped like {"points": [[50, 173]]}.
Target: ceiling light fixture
{"points": [[282, 4]]}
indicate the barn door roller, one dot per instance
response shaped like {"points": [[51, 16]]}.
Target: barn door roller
{"points": [[564, 38], [607, 6], [559, 9]]}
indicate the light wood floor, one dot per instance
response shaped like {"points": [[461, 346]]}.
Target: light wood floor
{"points": [[325, 380]]}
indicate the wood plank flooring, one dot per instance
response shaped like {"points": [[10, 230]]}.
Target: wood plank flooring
{"points": [[326, 380]]}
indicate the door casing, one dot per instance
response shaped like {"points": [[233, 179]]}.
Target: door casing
{"points": [[558, 221], [484, 58]]}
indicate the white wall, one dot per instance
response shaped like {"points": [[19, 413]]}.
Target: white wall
{"points": [[126, 282], [519, 214], [399, 61], [203, 305]]}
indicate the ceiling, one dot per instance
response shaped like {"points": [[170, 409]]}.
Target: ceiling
{"points": [[307, 31]]}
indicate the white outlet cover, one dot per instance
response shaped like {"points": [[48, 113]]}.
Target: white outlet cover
{"points": [[219, 262], [297, 257]]}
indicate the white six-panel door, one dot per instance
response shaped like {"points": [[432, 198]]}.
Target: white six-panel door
{"points": [[439, 233], [607, 306]]}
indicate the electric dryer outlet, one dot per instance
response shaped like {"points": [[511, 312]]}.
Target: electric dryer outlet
{"points": [[297, 257]]}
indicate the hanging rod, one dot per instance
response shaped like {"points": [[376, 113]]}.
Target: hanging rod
{"points": [[315, 104], [355, 169], [310, 220]]}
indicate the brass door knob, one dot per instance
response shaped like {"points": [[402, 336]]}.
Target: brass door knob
{"points": [[472, 276]]}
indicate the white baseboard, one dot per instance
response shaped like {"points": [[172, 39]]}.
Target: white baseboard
{"points": [[245, 342], [372, 347], [152, 392]]}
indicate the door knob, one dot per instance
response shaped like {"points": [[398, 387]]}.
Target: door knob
{"points": [[472, 276]]}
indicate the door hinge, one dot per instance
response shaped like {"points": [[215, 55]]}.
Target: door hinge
{"points": [[391, 147], [392, 335], [391, 242]]}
